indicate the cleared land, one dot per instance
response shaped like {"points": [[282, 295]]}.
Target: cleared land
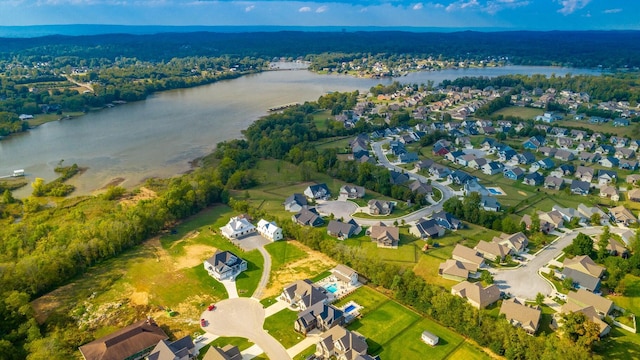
{"points": [[521, 112]]}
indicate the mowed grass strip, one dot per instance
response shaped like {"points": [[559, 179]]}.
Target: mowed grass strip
{"points": [[408, 345], [366, 297], [280, 326], [384, 323]]}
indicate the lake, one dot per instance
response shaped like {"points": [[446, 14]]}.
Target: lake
{"points": [[159, 136]]}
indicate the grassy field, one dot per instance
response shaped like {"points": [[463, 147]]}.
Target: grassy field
{"points": [[45, 118], [408, 345], [631, 300], [521, 112], [366, 297], [280, 326], [619, 344], [282, 252], [468, 351]]}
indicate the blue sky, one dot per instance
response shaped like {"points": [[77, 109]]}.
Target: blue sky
{"points": [[507, 14]]}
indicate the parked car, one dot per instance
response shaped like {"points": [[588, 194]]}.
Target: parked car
{"points": [[198, 338], [211, 307], [203, 322]]}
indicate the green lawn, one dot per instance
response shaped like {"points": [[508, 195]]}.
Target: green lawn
{"points": [[366, 297], [282, 253], [408, 345], [280, 326], [521, 112], [386, 322], [619, 344], [247, 281], [631, 300], [306, 352]]}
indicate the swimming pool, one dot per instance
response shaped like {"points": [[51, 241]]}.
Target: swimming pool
{"points": [[332, 288], [349, 308], [494, 191]]}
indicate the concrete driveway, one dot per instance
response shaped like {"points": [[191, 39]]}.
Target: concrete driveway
{"points": [[250, 242], [243, 317], [524, 282]]}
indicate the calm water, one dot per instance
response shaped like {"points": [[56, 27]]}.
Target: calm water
{"points": [[159, 136]]}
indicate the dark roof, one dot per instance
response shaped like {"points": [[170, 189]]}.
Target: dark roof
{"points": [[309, 217], [536, 177], [443, 216], [398, 177], [123, 343], [339, 228], [581, 185], [228, 352], [166, 350], [297, 198], [428, 228]]}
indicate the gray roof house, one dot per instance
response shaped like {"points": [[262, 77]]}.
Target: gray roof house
{"points": [[319, 316], [342, 230], [582, 280], [552, 182], [181, 349], [424, 228], [317, 192], [303, 294], [295, 202], [380, 207], [343, 344], [308, 217], [352, 191], [224, 265], [580, 187]]}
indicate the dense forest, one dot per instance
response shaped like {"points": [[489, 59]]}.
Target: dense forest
{"points": [[611, 49]]}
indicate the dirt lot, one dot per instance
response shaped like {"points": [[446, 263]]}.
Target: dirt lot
{"points": [[143, 194], [308, 267]]}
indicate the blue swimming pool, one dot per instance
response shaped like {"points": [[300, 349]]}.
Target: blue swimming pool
{"points": [[332, 288], [494, 191], [349, 308]]}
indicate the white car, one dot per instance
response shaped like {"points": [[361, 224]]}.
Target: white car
{"points": [[199, 338]]}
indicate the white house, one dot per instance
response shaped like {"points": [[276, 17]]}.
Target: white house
{"points": [[346, 274], [269, 230], [224, 265], [429, 338], [237, 227]]}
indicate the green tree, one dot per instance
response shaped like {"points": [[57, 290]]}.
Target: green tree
{"points": [[603, 242], [539, 299], [486, 277], [595, 219], [580, 330], [567, 283], [7, 197]]}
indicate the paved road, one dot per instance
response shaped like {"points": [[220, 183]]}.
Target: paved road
{"points": [[264, 279], [525, 282], [244, 317]]}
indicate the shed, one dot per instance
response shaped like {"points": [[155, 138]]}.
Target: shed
{"points": [[19, 172], [429, 338]]}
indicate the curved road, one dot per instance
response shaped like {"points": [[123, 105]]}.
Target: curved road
{"points": [[524, 282], [266, 270], [244, 317]]}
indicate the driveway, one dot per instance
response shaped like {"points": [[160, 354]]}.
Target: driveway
{"points": [[524, 282], [243, 317], [250, 242], [264, 278]]}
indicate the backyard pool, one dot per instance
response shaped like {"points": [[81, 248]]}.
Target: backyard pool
{"points": [[349, 308], [332, 288], [495, 191]]}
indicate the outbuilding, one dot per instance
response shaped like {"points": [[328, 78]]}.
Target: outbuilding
{"points": [[429, 338]]}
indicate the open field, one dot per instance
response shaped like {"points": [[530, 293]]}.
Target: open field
{"points": [[631, 300], [163, 273], [366, 297], [619, 344], [521, 112], [468, 351], [409, 346]]}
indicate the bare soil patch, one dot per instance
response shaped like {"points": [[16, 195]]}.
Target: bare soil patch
{"points": [[114, 182], [194, 255], [522, 193], [143, 194], [308, 267]]}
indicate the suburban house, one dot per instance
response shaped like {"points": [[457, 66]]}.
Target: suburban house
{"points": [[384, 236], [520, 315], [420, 188], [553, 183], [224, 265], [533, 179], [584, 264], [606, 176], [342, 230], [380, 207], [615, 248], [467, 255], [517, 243], [228, 352], [478, 296], [456, 270], [582, 280], [589, 312], [550, 221], [514, 173], [489, 203], [460, 177], [633, 179], [429, 338], [342, 344], [317, 192], [584, 173], [308, 217], [580, 187], [609, 192], [447, 220], [492, 168], [492, 251], [269, 230], [352, 191], [237, 227], [477, 163], [588, 212], [302, 294], [424, 228], [564, 155], [424, 164], [295, 203], [133, 341], [634, 195], [622, 215], [345, 274], [526, 158], [181, 349], [569, 214], [408, 157], [475, 186], [320, 316], [534, 142], [583, 298]]}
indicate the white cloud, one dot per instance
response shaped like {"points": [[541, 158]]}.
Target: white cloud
{"points": [[304, 9], [612, 11], [417, 6], [570, 6], [462, 4], [249, 8], [437, 5], [498, 5], [322, 9]]}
